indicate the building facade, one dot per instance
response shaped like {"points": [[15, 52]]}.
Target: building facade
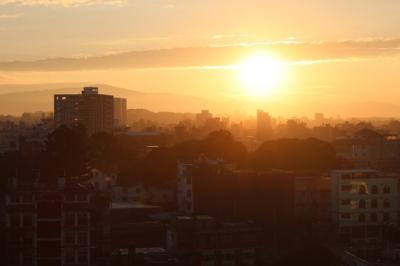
{"points": [[90, 109], [363, 201], [55, 224], [120, 112]]}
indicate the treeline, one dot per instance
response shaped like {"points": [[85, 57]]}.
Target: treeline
{"points": [[72, 153]]}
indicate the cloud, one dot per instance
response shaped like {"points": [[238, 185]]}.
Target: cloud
{"points": [[63, 3], [10, 16], [294, 52]]}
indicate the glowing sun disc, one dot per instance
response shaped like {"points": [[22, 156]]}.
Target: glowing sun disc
{"points": [[260, 74]]}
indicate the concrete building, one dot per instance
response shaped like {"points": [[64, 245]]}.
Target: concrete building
{"points": [[55, 224], [201, 240], [264, 126], [367, 148], [313, 199], [363, 201], [215, 188], [120, 112], [90, 109]]}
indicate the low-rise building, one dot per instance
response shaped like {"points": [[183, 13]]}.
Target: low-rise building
{"points": [[363, 201]]}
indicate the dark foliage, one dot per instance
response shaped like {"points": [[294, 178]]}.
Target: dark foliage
{"points": [[295, 154]]}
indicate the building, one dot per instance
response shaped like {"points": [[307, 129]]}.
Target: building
{"points": [[313, 199], [319, 119], [90, 109], [214, 188], [367, 148], [55, 224], [264, 126], [120, 112], [363, 201], [201, 240]]}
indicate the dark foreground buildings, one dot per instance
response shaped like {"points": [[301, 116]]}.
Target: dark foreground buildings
{"points": [[63, 223]]}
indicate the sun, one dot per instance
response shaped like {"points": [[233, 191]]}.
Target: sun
{"points": [[260, 74]]}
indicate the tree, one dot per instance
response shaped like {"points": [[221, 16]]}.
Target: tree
{"points": [[294, 154], [66, 152]]}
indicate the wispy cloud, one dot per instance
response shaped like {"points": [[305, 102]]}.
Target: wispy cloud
{"points": [[10, 16], [63, 3], [292, 52]]}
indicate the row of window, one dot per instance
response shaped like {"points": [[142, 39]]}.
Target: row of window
{"points": [[26, 220], [76, 219], [362, 203], [373, 217], [362, 189], [28, 198], [20, 198], [73, 256], [76, 238], [358, 176], [20, 220]]}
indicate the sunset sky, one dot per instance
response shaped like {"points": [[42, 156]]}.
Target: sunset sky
{"points": [[333, 51]]}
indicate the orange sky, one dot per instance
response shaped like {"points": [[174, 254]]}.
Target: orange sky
{"points": [[334, 51]]}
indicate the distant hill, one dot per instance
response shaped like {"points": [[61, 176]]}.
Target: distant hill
{"points": [[159, 117], [30, 98]]}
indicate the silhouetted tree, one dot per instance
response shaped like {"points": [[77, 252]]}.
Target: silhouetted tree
{"points": [[294, 154], [66, 152]]}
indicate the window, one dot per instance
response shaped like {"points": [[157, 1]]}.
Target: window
{"points": [[14, 198], [188, 193], [82, 238], [83, 218], [83, 255], [27, 238], [361, 218], [345, 215], [346, 188], [374, 203], [386, 217], [189, 180], [374, 189], [346, 202], [26, 198], [361, 204], [386, 203], [362, 189], [374, 217], [82, 197], [69, 237], [70, 197], [14, 220], [27, 220], [69, 219], [346, 177], [386, 189], [69, 256]]}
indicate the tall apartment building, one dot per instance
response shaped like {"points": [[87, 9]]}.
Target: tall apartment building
{"points": [[55, 224], [92, 110], [120, 115], [363, 201]]}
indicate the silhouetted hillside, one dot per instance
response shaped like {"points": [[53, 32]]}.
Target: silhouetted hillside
{"points": [[30, 98]]}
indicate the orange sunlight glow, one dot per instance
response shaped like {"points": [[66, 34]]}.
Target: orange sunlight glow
{"points": [[260, 74]]}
